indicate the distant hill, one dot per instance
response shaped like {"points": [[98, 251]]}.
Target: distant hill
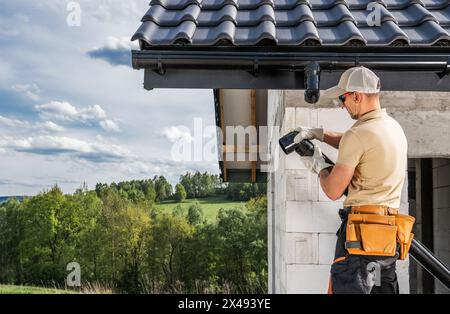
{"points": [[6, 198]]}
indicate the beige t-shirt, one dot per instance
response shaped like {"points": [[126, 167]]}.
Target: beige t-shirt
{"points": [[376, 147]]}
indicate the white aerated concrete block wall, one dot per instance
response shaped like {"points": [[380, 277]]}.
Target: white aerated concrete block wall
{"points": [[306, 221]]}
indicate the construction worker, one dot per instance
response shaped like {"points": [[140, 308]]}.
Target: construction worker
{"points": [[371, 164]]}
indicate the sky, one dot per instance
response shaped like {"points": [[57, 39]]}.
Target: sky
{"points": [[73, 111]]}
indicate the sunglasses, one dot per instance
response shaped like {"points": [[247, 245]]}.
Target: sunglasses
{"points": [[343, 96]]}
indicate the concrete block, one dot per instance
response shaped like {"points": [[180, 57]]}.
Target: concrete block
{"points": [[297, 185], [307, 279], [419, 126], [443, 176], [444, 256], [327, 246], [440, 162], [314, 182], [337, 120], [441, 220], [442, 240], [312, 217], [302, 248], [294, 162], [305, 117], [289, 120], [441, 197]]}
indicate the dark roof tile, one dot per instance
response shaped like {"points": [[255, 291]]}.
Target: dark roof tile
{"points": [[333, 16], [295, 22], [435, 4], [154, 34], [297, 35], [413, 15], [252, 35], [161, 16], [386, 34], [289, 4], [215, 17], [443, 16], [212, 35], [253, 17], [340, 34], [325, 4], [427, 33], [217, 4], [175, 4], [295, 16]]}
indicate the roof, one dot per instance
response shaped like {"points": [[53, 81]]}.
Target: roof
{"points": [[294, 23], [267, 44]]}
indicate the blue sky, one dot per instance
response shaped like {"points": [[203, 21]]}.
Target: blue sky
{"points": [[72, 110]]}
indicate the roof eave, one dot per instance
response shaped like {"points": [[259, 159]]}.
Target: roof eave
{"points": [[400, 69]]}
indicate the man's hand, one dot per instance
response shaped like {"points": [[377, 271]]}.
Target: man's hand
{"points": [[315, 163], [307, 133]]}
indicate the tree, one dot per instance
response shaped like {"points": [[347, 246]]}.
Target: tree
{"points": [[180, 193], [169, 248], [195, 214], [51, 224], [200, 185], [11, 232], [163, 188]]}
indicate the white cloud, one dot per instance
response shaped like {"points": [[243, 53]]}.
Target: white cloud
{"points": [[64, 111], [30, 90], [97, 152], [177, 133], [59, 110], [13, 123], [115, 51], [115, 43], [109, 125], [51, 126], [16, 126]]}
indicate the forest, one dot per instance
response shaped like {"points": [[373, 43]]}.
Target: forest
{"points": [[125, 243]]}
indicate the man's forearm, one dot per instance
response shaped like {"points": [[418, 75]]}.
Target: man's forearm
{"points": [[332, 138]]}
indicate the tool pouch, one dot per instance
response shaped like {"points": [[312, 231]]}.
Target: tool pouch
{"points": [[373, 234], [405, 236], [369, 234]]}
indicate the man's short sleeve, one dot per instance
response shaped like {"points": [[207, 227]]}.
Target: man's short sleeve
{"points": [[350, 149]]}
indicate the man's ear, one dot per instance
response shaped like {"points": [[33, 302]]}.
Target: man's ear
{"points": [[357, 97]]}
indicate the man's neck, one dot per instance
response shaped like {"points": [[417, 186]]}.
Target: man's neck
{"points": [[370, 107]]}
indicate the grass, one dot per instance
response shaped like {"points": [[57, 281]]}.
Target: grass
{"points": [[10, 289], [88, 288], [210, 205]]}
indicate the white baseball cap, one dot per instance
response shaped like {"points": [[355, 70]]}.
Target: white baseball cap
{"points": [[356, 79]]}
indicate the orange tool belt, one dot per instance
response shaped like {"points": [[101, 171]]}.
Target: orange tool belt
{"points": [[377, 229]]}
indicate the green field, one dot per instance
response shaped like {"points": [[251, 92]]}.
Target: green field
{"points": [[10, 289], [210, 205]]}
